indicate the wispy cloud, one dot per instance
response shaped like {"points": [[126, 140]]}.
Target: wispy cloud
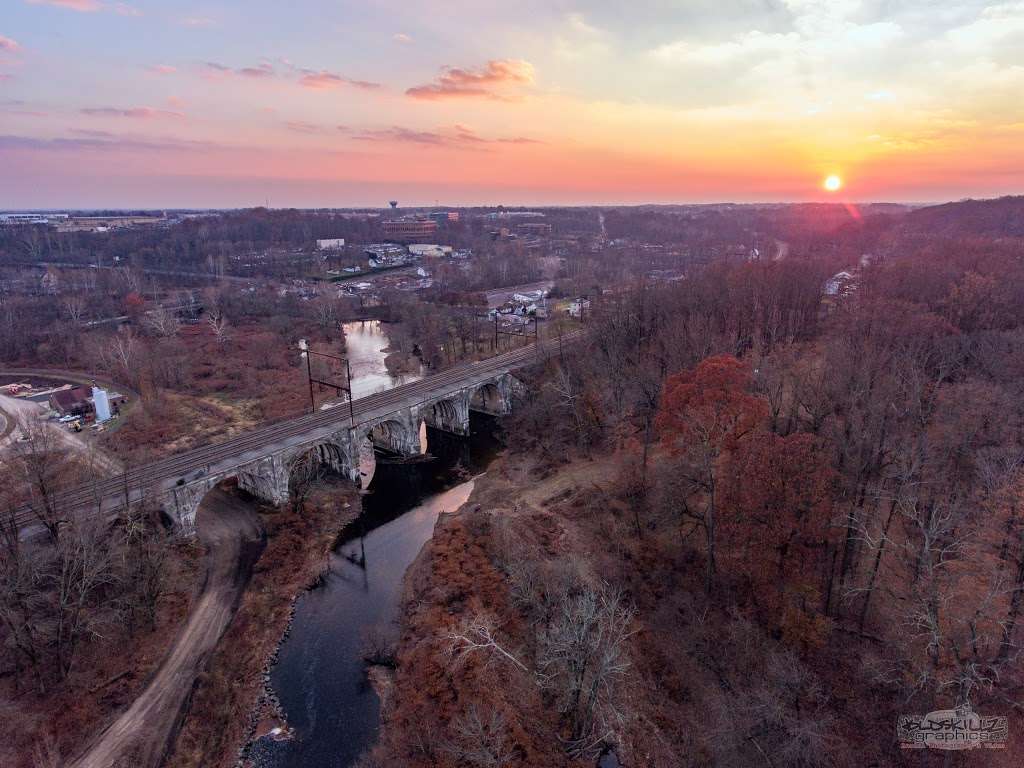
{"points": [[100, 140], [486, 82], [216, 70], [324, 80], [138, 113], [19, 107], [9, 45], [82, 6], [401, 37], [301, 126], [90, 6], [197, 21], [162, 69], [308, 78], [458, 136]]}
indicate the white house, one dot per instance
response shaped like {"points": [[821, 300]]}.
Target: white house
{"points": [[839, 283]]}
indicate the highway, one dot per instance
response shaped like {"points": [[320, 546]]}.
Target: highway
{"points": [[240, 449]]}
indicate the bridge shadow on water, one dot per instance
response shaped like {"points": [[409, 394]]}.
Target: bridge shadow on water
{"points": [[321, 677]]}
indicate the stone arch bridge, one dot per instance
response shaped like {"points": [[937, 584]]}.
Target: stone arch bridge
{"points": [[262, 460], [395, 430]]}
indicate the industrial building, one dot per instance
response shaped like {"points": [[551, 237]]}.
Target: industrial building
{"points": [[409, 229]]}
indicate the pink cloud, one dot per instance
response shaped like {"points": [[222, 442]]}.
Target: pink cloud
{"points": [[459, 137], [4, 77], [176, 102], [162, 69], [454, 82], [216, 71], [263, 70], [301, 126], [141, 113], [82, 6], [401, 37], [323, 80], [8, 44]]}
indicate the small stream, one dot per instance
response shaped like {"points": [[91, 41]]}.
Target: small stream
{"points": [[320, 677]]}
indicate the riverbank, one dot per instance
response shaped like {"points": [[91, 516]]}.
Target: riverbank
{"points": [[495, 563], [230, 696]]}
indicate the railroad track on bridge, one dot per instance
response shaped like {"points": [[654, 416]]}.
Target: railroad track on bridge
{"points": [[182, 464]]}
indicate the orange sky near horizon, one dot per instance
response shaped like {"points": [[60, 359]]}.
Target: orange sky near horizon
{"points": [[154, 104]]}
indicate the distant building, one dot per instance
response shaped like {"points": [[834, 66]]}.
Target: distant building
{"points": [[534, 228], [839, 283], [578, 307], [529, 297], [443, 217], [330, 244], [50, 281], [409, 229], [386, 255], [430, 251], [71, 402]]}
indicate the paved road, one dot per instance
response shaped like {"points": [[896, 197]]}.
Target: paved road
{"points": [[250, 446], [234, 538]]}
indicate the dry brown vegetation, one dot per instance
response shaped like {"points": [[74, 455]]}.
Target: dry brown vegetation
{"points": [[225, 696]]}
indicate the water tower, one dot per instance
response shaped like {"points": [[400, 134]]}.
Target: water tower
{"points": [[393, 204]]}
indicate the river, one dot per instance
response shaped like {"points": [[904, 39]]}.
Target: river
{"points": [[364, 345], [320, 677]]}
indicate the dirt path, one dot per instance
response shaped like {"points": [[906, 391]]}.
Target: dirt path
{"points": [[234, 538]]}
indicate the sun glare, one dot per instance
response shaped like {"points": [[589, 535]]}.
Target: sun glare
{"points": [[833, 183]]}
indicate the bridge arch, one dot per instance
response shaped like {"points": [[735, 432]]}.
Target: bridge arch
{"points": [[490, 398], [395, 436], [450, 414], [327, 454]]}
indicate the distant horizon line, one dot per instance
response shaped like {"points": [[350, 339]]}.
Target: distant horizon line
{"points": [[437, 206]]}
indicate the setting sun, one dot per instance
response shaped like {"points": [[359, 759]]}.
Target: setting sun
{"points": [[833, 183]]}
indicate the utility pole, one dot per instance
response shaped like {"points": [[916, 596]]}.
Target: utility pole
{"points": [[309, 373], [337, 387]]}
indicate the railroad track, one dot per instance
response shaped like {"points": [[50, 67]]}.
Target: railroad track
{"points": [[178, 466]]}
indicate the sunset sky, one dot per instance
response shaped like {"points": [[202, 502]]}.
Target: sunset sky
{"points": [[168, 103]]}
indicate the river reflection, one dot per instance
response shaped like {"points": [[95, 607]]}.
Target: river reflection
{"points": [[320, 677], [365, 342]]}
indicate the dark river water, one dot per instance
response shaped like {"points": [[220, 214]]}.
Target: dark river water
{"points": [[320, 678]]}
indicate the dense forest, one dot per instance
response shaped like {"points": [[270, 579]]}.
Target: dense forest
{"points": [[790, 522], [753, 517]]}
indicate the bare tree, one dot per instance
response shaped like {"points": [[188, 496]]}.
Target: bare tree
{"points": [[39, 462], [481, 739], [74, 308], [219, 326], [583, 658], [163, 322], [304, 474], [476, 635]]}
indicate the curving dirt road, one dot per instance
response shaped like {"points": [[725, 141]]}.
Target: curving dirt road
{"points": [[234, 538]]}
